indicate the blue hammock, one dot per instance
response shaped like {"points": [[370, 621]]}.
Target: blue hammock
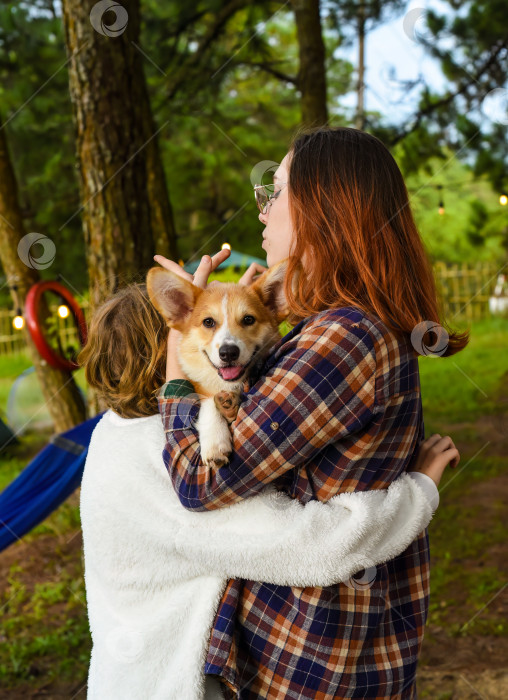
{"points": [[45, 483]]}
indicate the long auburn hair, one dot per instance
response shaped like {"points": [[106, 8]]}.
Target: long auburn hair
{"points": [[125, 354], [352, 221]]}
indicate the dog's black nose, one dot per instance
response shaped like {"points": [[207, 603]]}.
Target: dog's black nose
{"points": [[229, 352]]}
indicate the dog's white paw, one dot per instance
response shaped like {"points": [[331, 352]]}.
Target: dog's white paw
{"points": [[216, 454], [214, 435]]}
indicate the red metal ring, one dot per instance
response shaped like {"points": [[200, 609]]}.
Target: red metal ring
{"points": [[32, 307]]}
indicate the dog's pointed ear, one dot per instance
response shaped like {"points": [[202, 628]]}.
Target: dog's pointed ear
{"points": [[173, 297], [270, 287]]}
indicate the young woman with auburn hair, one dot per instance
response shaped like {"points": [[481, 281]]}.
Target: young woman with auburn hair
{"points": [[335, 408], [350, 207]]}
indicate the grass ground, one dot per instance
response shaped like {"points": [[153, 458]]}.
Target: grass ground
{"points": [[44, 638], [10, 368]]}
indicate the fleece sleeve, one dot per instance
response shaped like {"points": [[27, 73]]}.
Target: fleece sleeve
{"points": [[276, 539]]}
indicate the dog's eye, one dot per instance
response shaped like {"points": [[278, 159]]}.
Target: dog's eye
{"points": [[249, 320], [208, 322]]}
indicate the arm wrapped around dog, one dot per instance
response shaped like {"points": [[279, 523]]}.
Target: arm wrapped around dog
{"points": [[318, 390]]}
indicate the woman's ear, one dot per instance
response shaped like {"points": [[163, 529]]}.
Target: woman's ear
{"points": [[173, 297], [270, 288]]}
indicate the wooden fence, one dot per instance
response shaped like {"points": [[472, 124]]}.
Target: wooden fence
{"points": [[465, 290], [12, 341]]}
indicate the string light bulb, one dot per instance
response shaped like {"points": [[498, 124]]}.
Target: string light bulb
{"points": [[18, 321], [63, 311], [503, 200], [441, 209]]}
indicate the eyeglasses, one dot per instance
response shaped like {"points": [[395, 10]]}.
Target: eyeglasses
{"points": [[265, 194]]}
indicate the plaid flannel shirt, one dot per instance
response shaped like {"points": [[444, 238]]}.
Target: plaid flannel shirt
{"points": [[335, 408]]}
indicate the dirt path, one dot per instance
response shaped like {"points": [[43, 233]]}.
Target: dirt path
{"points": [[476, 665]]}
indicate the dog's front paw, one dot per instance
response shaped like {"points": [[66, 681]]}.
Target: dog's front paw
{"points": [[227, 403], [216, 455], [213, 427]]}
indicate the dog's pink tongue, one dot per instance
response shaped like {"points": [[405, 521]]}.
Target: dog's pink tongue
{"points": [[230, 372]]}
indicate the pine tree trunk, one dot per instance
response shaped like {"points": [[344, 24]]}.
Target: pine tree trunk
{"points": [[64, 400], [125, 207], [312, 72]]}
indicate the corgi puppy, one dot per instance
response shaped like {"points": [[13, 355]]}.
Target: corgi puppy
{"points": [[227, 332]]}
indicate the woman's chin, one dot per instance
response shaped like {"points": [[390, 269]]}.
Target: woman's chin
{"points": [[271, 259]]}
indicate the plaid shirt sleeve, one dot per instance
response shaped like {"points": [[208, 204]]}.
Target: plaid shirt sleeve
{"points": [[319, 388]]}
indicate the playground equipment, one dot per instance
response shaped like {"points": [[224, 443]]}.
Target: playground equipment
{"points": [[55, 356], [26, 405], [58, 468]]}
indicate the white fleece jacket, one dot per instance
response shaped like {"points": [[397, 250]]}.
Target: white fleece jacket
{"points": [[155, 572]]}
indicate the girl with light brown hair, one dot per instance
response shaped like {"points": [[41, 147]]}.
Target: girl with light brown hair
{"points": [[125, 356]]}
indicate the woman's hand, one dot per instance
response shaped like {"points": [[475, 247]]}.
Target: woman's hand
{"points": [[251, 274], [433, 456], [206, 267], [248, 276]]}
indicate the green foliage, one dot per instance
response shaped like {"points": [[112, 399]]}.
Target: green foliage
{"points": [[218, 127], [36, 108], [449, 396], [470, 45], [11, 366], [345, 15], [477, 221], [15, 457], [463, 579], [242, 116], [231, 102], [461, 582], [46, 631], [474, 225]]}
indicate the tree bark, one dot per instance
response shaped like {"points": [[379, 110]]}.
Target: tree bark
{"points": [[126, 211], [312, 72], [64, 400]]}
